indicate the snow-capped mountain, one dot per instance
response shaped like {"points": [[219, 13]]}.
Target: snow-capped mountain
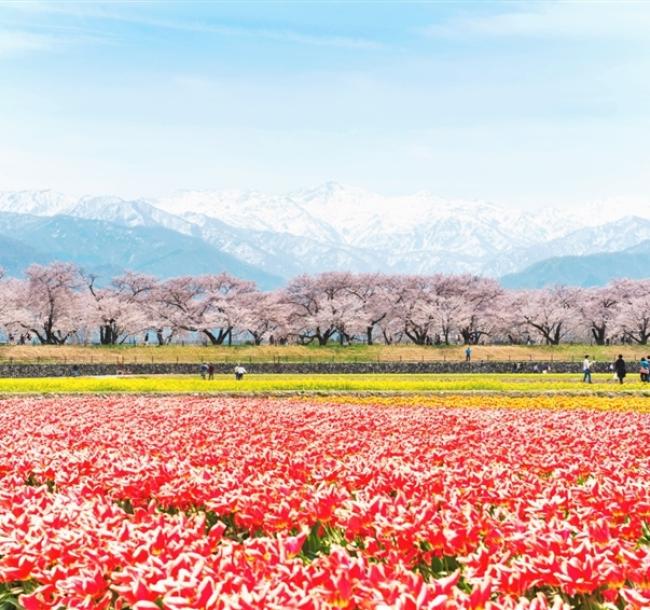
{"points": [[136, 213], [251, 210], [340, 227], [37, 203], [613, 236]]}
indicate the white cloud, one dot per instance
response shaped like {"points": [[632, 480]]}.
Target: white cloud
{"points": [[554, 20], [102, 12], [14, 41], [282, 35]]}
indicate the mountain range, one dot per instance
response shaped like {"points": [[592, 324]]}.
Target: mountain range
{"points": [[271, 238], [588, 270]]}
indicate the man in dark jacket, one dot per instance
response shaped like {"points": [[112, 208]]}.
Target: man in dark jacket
{"points": [[619, 368]]}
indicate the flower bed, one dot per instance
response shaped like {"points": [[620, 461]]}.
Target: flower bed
{"points": [[372, 383], [146, 503]]}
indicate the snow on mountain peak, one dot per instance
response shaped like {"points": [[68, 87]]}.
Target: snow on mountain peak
{"points": [[326, 191], [38, 203], [336, 226]]}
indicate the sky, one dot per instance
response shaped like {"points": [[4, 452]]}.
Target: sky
{"points": [[523, 104]]}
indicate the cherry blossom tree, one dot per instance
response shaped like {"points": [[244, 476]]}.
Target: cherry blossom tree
{"points": [[6, 301], [47, 303], [480, 299], [140, 292], [552, 313], [508, 325], [322, 306], [56, 302], [264, 316], [633, 319], [376, 297], [418, 307], [598, 309], [119, 310], [207, 304]]}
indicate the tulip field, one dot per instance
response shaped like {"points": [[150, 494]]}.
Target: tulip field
{"points": [[163, 502]]}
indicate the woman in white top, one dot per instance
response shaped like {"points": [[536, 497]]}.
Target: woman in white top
{"points": [[586, 370]]}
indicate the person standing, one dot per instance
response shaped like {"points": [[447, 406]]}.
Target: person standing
{"points": [[644, 369], [211, 371], [586, 370], [620, 368], [203, 370], [468, 354]]}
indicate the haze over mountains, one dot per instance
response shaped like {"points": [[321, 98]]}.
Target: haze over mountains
{"points": [[271, 238]]}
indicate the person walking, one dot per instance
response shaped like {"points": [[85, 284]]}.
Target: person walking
{"points": [[644, 369], [586, 369], [620, 369], [468, 354]]}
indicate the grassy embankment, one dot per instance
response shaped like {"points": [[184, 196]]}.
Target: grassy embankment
{"points": [[265, 384], [298, 353]]}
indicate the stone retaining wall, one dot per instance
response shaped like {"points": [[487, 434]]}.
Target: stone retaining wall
{"points": [[61, 370]]}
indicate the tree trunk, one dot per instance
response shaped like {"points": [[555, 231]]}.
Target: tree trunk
{"points": [[599, 334], [220, 337], [323, 338], [641, 338], [551, 334], [107, 334], [419, 338], [211, 336]]}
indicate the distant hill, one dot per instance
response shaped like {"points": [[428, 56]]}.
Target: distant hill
{"points": [[15, 255], [589, 270], [107, 248], [614, 236]]}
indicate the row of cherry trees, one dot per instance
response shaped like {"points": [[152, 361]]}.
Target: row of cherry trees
{"points": [[59, 303]]}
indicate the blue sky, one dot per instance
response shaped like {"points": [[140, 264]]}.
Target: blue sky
{"points": [[525, 104]]}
